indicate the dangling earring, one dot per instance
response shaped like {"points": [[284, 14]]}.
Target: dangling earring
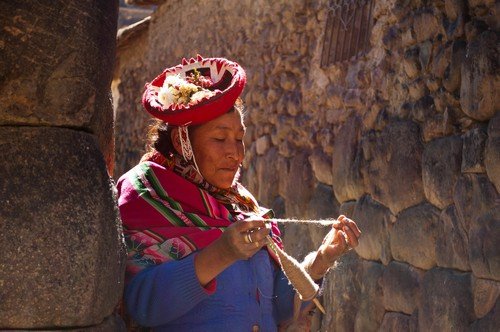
{"points": [[186, 147]]}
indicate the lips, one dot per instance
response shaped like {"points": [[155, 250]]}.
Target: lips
{"points": [[234, 170], [230, 168]]}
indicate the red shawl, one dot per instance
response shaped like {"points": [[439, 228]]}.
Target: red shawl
{"points": [[168, 211]]}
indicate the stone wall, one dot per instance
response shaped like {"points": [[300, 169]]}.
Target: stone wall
{"points": [[405, 139], [62, 260]]}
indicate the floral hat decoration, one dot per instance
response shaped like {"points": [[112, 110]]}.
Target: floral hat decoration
{"points": [[196, 91]]}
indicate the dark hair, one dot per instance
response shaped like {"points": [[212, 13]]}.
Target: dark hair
{"points": [[159, 133]]}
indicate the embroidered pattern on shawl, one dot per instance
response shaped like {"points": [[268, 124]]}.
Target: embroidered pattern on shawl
{"points": [[167, 215]]}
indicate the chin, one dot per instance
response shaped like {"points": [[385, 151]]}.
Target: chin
{"points": [[226, 184], [221, 183]]}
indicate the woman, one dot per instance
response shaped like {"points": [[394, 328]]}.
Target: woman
{"points": [[197, 240]]}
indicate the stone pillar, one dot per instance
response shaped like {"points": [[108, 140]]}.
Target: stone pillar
{"points": [[62, 258]]}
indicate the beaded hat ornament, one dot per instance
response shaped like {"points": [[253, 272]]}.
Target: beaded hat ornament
{"points": [[194, 92]]}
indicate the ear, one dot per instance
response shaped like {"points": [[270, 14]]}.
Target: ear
{"points": [[176, 141]]}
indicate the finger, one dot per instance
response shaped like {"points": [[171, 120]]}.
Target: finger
{"points": [[256, 235], [247, 238], [259, 234], [342, 219], [337, 224], [352, 239], [251, 248], [330, 236], [341, 222], [354, 227], [254, 223], [247, 225], [339, 243], [350, 223]]}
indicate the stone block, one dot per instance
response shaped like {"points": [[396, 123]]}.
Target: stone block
{"points": [[401, 286], [414, 234], [261, 145], [396, 322], [447, 303], [425, 54], [433, 84], [60, 232], [354, 99], [371, 309], [373, 220], [473, 150], [408, 38], [297, 185], [490, 322], [113, 323], [480, 80], [321, 166], [473, 196], [437, 126], [323, 203], [288, 82], [278, 207], [484, 251], [393, 174], [391, 38], [423, 109], [452, 241], [342, 293], [297, 239], [248, 176], [474, 27], [266, 177], [486, 293], [481, 6], [410, 62], [440, 169], [293, 103], [456, 29], [426, 26], [492, 151], [417, 89], [452, 75], [347, 209], [324, 139], [441, 61], [454, 8], [55, 68], [346, 161]]}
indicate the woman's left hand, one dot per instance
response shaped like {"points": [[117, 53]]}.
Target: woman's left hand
{"points": [[343, 236]]}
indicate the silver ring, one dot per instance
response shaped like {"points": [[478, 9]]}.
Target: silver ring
{"points": [[248, 238]]}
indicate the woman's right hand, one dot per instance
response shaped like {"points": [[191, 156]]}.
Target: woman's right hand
{"points": [[244, 238], [241, 240]]}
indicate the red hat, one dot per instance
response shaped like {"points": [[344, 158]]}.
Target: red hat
{"points": [[194, 92]]}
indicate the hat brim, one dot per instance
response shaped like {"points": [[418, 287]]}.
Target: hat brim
{"points": [[228, 78]]}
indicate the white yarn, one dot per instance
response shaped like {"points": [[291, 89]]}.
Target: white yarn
{"points": [[324, 222]]}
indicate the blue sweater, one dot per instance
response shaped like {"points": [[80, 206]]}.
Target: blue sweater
{"points": [[250, 292]]}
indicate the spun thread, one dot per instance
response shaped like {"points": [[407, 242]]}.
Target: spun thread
{"points": [[322, 222], [296, 274]]}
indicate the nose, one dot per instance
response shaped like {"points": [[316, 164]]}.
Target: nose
{"points": [[235, 150]]}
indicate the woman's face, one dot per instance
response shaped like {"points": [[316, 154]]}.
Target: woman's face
{"points": [[218, 148]]}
